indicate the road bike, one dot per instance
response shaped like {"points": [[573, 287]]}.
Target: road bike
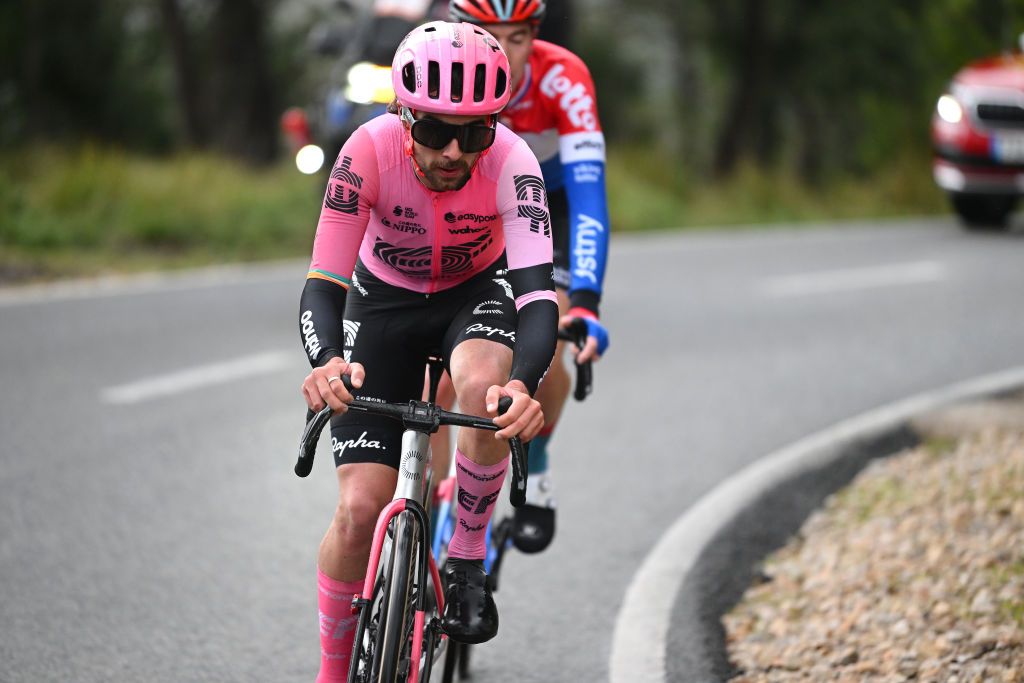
{"points": [[398, 632], [499, 530]]}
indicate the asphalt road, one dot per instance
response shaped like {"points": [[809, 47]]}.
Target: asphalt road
{"points": [[153, 529]]}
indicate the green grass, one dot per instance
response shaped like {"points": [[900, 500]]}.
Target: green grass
{"points": [[97, 210], [94, 210], [648, 193]]}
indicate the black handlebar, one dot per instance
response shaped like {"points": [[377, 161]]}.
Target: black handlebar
{"points": [[418, 415], [520, 461], [310, 435], [576, 332]]}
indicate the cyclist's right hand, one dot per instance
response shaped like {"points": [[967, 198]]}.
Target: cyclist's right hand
{"points": [[323, 385]]}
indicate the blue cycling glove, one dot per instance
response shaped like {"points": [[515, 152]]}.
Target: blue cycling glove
{"points": [[594, 327]]}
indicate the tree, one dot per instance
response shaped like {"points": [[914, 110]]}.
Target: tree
{"points": [[189, 95], [243, 95], [229, 103]]}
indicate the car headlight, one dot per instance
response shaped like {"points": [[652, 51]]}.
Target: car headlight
{"points": [[309, 159], [949, 109], [369, 83]]}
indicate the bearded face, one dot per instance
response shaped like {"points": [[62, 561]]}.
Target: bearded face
{"points": [[442, 175], [449, 168]]}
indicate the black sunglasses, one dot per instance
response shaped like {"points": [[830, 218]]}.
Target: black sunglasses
{"points": [[472, 137]]}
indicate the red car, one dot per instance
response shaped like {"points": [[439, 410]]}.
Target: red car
{"points": [[978, 138]]}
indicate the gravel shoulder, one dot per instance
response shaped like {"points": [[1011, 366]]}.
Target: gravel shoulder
{"points": [[914, 571]]}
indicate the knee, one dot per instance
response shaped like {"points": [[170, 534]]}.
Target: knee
{"points": [[355, 519], [472, 390]]}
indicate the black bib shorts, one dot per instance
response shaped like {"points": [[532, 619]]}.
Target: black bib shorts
{"points": [[392, 331]]}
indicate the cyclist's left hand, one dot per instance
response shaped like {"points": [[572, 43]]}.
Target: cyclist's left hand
{"points": [[597, 334], [523, 419]]}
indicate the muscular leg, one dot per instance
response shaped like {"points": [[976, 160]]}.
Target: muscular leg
{"points": [[470, 615], [364, 490], [477, 364]]}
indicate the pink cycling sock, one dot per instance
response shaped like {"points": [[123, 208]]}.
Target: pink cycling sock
{"points": [[479, 486], [337, 626]]}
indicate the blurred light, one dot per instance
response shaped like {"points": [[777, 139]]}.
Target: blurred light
{"points": [[949, 109], [949, 178], [369, 83], [309, 159]]}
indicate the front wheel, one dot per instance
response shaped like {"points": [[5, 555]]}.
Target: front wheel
{"points": [[396, 620], [983, 211]]}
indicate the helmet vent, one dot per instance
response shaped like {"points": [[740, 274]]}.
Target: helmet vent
{"points": [[479, 83], [500, 84], [457, 78], [429, 29], [433, 80], [409, 77]]}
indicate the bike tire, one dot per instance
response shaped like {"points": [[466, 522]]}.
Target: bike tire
{"points": [[397, 619]]}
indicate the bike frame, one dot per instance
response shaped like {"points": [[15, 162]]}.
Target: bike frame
{"points": [[410, 494]]}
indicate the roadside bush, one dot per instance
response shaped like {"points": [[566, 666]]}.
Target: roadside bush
{"points": [[103, 202]]}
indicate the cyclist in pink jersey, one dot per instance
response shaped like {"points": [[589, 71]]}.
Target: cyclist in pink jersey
{"points": [[434, 238], [553, 107]]}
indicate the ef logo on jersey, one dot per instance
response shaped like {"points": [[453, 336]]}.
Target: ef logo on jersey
{"points": [[577, 104], [339, 197]]}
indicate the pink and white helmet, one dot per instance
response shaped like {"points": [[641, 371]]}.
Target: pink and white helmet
{"points": [[451, 68]]}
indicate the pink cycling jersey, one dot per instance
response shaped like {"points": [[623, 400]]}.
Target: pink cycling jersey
{"points": [[376, 208]]}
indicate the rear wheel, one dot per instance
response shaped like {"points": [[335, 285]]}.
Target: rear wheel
{"points": [[983, 211]]}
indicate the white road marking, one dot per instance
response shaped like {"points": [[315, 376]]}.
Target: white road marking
{"points": [[827, 282], [197, 377], [640, 637]]}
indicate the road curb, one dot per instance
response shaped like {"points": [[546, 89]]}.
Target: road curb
{"points": [[668, 628]]}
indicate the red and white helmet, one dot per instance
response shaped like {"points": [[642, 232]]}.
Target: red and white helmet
{"points": [[451, 68], [497, 11]]}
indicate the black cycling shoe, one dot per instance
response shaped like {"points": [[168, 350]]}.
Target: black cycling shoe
{"points": [[534, 528], [470, 615]]}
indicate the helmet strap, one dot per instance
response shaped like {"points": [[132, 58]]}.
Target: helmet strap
{"points": [[407, 118]]}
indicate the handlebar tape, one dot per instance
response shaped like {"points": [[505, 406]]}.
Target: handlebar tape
{"points": [[519, 458]]}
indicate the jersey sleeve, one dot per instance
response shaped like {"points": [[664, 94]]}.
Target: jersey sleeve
{"points": [[522, 201], [351, 192], [569, 93]]}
